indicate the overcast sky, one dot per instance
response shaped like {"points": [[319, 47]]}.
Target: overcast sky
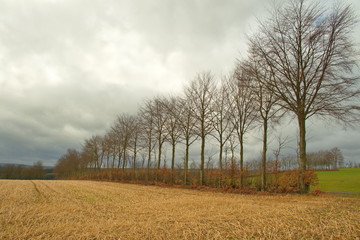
{"points": [[68, 67]]}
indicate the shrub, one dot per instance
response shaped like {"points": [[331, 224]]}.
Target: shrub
{"points": [[289, 181]]}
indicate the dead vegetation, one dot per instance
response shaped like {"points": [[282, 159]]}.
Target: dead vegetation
{"points": [[102, 210]]}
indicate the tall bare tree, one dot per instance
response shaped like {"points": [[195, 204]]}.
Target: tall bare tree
{"points": [[134, 142], [200, 94], [125, 127], [187, 127], [147, 131], [221, 119], [309, 50], [93, 151], [160, 120], [254, 73], [172, 112], [243, 112]]}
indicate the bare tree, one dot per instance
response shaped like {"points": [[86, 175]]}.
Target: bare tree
{"points": [[281, 144], [68, 164], [112, 146], [187, 127], [221, 119], [125, 127], [134, 141], [200, 95], [94, 152], [172, 111], [254, 73], [106, 145], [147, 131], [159, 118], [117, 144], [310, 53], [243, 113], [337, 157]]}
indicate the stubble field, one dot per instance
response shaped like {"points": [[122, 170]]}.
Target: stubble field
{"points": [[99, 210]]}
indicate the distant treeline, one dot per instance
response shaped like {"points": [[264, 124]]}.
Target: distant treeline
{"points": [[321, 160], [12, 171]]}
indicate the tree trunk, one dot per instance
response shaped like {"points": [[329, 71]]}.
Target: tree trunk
{"points": [[202, 164], [173, 161], [124, 158], [241, 140], [135, 153], [159, 152], [149, 161], [186, 163], [119, 159], [304, 188], [221, 163], [233, 167], [220, 154], [263, 162], [113, 160]]}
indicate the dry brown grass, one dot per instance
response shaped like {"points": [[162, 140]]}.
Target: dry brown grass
{"points": [[98, 210]]}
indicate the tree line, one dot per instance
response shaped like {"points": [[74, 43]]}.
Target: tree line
{"points": [[300, 63], [11, 171]]}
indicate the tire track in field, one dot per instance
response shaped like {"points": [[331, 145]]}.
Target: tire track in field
{"points": [[55, 192], [50, 188], [40, 196]]}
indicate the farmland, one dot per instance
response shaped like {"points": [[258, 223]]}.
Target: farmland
{"points": [[102, 210], [344, 180]]}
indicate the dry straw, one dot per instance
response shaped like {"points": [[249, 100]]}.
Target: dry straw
{"points": [[97, 210]]}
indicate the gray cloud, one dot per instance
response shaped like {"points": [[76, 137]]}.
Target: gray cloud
{"points": [[67, 68]]}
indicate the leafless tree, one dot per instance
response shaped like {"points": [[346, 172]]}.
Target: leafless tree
{"points": [[68, 164], [337, 157], [243, 112], [112, 145], [281, 144], [147, 131], [117, 144], [310, 53], [172, 126], [124, 127], [93, 151], [159, 124], [200, 94], [254, 73], [134, 141], [187, 127], [106, 146], [221, 119]]}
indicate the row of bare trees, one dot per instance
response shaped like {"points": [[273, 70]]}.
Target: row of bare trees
{"points": [[300, 63], [207, 109]]}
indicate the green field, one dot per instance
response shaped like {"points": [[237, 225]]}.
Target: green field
{"points": [[344, 180]]}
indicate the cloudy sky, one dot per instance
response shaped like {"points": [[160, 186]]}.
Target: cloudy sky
{"points": [[68, 67]]}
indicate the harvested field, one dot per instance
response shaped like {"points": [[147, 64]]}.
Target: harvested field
{"points": [[99, 210]]}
